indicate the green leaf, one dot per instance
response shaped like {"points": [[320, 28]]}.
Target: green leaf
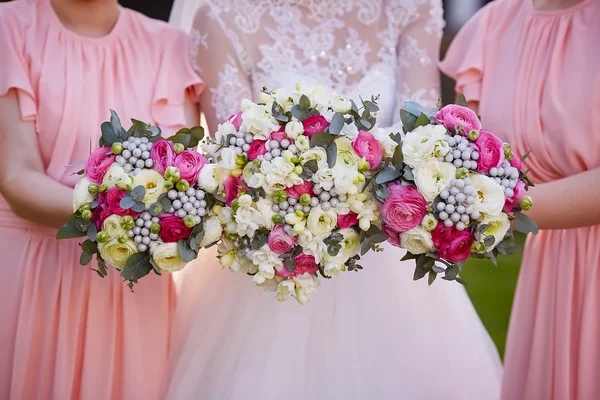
{"points": [[337, 123], [413, 108], [422, 120], [331, 154], [408, 121], [382, 193], [408, 173], [525, 224], [260, 239], [299, 113], [92, 232], [109, 136], [321, 139], [431, 277], [137, 266], [408, 256], [290, 264], [419, 273], [461, 101], [461, 281], [138, 193], [186, 253], [156, 209], [398, 157], [508, 247], [489, 240], [451, 273], [115, 122], [197, 133], [396, 137], [70, 230], [387, 174], [367, 124], [311, 166], [126, 203], [524, 156], [378, 238], [89, 246], [85, 258], [304, 102], [138, 207], [365, 247], [372, 107]]}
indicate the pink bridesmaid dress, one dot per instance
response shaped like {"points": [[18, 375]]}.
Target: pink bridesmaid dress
{"points": [[65, 333], [536, 75]]}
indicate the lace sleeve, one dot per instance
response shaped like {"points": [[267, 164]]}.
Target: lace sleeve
{"points": [[418, 78], [218, 62]]}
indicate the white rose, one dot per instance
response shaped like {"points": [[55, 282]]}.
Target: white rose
{"points": [[112, 226], [302, 143], [228, 159], [81, 195], [350, 242], [294, 129], [431, 178], [490, 196], [418, 146], [208, 178], [117, 177], [212, 231], [499, 226], [341, 104], [387, 143], [285, 289], [417, 240], [346, 156], [117, 254], [223, 131], [167, 258], [350, 131], [321, 223], [258, 120], [154, 184], [306, 286]]}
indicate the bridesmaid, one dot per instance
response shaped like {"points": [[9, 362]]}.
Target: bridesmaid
{"points": [[65, 333], [527, 65]]}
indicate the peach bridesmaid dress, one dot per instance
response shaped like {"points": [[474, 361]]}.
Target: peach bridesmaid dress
{"points": [[65, 333], [536, 75]]}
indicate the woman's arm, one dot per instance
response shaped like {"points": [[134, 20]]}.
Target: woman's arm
{"points": [[31, 194]]}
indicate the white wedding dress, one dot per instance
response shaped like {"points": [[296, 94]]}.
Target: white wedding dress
{"points": [[374, 334]]}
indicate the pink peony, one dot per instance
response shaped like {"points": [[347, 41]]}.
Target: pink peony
{"points": [[113, 200], [172, 229], [233, 187], [189, 164], [392, 237], [348, 220], [101, 212], [98, 163], [304, 263], [365, 145], [454, 116], [314, 124], [257, 148], [457, 247], [298, 190], [279, 134], [516, 163], [279, 241], [491, 151], [162, 155], [236, 120], [404, 208], [519, 192]]}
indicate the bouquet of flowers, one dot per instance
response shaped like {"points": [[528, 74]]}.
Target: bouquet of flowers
{"points": [[139, 201], [451, 191], [291, 171]]}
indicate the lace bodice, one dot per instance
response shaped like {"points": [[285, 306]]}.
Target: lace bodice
{"points": [[355, 47]]}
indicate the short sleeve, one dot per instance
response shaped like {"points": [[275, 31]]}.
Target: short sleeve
{"points": [[465, 59], [176, 80], [15, 65]]}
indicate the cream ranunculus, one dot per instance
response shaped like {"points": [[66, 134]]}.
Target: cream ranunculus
{"points": [[285, 289], [293, 129], [346, 156], [498, 227], [154, 184], [316, 153], [117, 254], [209, 178], [112, 226], [81, 195], [321, 223], [257, 119], [490, 196], [117, 177], [350, 242], [429, 222], [340, 104], [212, 231], [419, 146], [306, 286], [417, 240], [433, 177], [167, 258]]}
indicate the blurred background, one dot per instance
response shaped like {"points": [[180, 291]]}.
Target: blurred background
{"points": [[491, 288]]}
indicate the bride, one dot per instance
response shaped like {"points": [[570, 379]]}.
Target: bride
{"points": [[372, 334]]}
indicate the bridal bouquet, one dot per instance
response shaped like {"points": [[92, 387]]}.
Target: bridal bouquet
{"points": [[451, 191], [291, 171], [139, 201]]}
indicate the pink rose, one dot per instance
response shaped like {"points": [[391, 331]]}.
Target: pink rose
{"points": [[457, 247], [516, 163], [491, 151], [113, 200], [404, 208], [189, 164], [257, 149], [233, 187], [298, 190], [279, 241], [442, 234], [365, 145], [314, 124], [279, 134], [392, 237], [348, 220], [236, 120], [172, 229], [98, 163], [519, 192], [101, 212], [454, 116], [304, 263], [162, 155]]}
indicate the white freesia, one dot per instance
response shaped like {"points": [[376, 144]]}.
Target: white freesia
{"points": [[208, 178], [417, 240], [212, 231], [223, 131], [306, 286], [283, 99], [285, 289], [302, 143], [367, 213], [418, 146], [269, 285], [350, 242], [265, 208], [117, 177], [346, 156], [112, 226], [431, 178], [280, 173], [490, 196], [247, 217], [154, 184], [266, 261], [387, 143], [257, 119], [324, 178], [228, 159], [498, 227], [344, 178], [167, 257], [321, 223], [333, 265], [312, 245], [340, 104], [230, 258], [293, 129], [117, 254], [81, 195]]}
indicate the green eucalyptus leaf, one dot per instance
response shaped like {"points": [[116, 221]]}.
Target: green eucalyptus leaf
{"points": [[321, 139], [371, 106], [387, 174], [413, 108], [92, 232], [408, 173], [365, 247], [461, 100], [186, 253], [299, 113], [408, 256], [304, 102], [85, 258], [423, 120], [398, 158], [311, 166], [137, 266], [138, 207], [331, 155], [290, 264], [419, 273], [524, 224], [431, 277], [489, 240], [138, 193], [70, 230], [89, 246], [126, 203], [396, 137], [408, 121], [337, 123], [109, 136]]}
